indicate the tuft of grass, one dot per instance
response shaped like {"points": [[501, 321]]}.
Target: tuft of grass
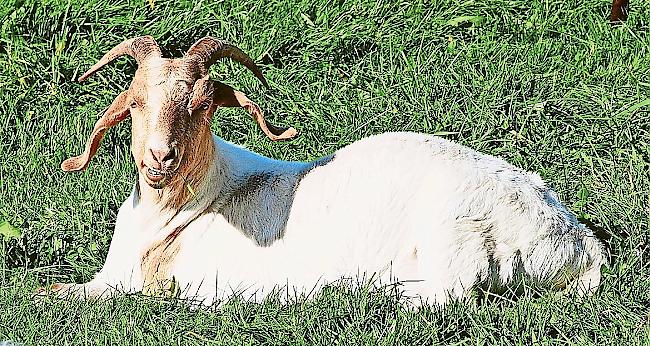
{"points": [[547, 85]]}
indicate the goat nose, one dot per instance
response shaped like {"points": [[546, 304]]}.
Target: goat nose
{"points": [[163, 156]]}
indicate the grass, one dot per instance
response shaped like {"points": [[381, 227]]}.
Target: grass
{"points": [[547, 85]]}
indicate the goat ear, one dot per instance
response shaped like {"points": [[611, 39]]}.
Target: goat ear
{"points": [[117, 111], [225, 96]]}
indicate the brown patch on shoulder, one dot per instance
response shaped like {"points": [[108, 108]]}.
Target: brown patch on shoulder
{"points": [[156, 263]]}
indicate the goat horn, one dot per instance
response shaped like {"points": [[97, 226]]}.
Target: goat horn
{"points": [[140, 48], [208, 50]]}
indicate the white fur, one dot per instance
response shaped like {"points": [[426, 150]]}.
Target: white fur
{"points": [[404, 206]]}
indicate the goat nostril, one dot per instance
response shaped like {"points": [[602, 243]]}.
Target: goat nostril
{"points": [[163, 156], [170, 156]]}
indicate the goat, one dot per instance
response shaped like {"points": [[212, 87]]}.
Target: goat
{"points": [[207, 218]]}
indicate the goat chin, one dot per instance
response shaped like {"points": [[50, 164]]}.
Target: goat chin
{"points": [[438, 216]]}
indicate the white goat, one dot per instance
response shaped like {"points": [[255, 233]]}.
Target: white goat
{"points": [[213, 218]]}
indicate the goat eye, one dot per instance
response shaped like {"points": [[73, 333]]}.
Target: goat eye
{"points": [[134, 104], [205, 106]]}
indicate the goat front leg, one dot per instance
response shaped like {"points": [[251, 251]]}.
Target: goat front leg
{"points": [[121, 272]]}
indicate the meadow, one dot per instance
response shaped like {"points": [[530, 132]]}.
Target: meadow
{"points": [[547, 85]]}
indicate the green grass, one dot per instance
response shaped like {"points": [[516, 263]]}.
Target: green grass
{"points": [[547, 86]]}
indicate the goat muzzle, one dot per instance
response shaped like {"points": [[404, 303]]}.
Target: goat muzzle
{"points": [[159, 166]]}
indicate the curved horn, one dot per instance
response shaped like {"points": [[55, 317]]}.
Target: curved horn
{"points": [[208, 50], [140, 48]]}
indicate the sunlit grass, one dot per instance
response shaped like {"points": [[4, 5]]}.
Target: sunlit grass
{"points": [[547, 85]]}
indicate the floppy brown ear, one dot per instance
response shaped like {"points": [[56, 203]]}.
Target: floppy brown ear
{"points": [[225, 96], [118, 111]]}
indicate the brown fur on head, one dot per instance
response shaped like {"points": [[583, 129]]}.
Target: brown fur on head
{"points": [[171, 103]]}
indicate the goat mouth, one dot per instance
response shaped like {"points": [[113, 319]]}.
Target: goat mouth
{"points": [[155, 178], [154, 174]]}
